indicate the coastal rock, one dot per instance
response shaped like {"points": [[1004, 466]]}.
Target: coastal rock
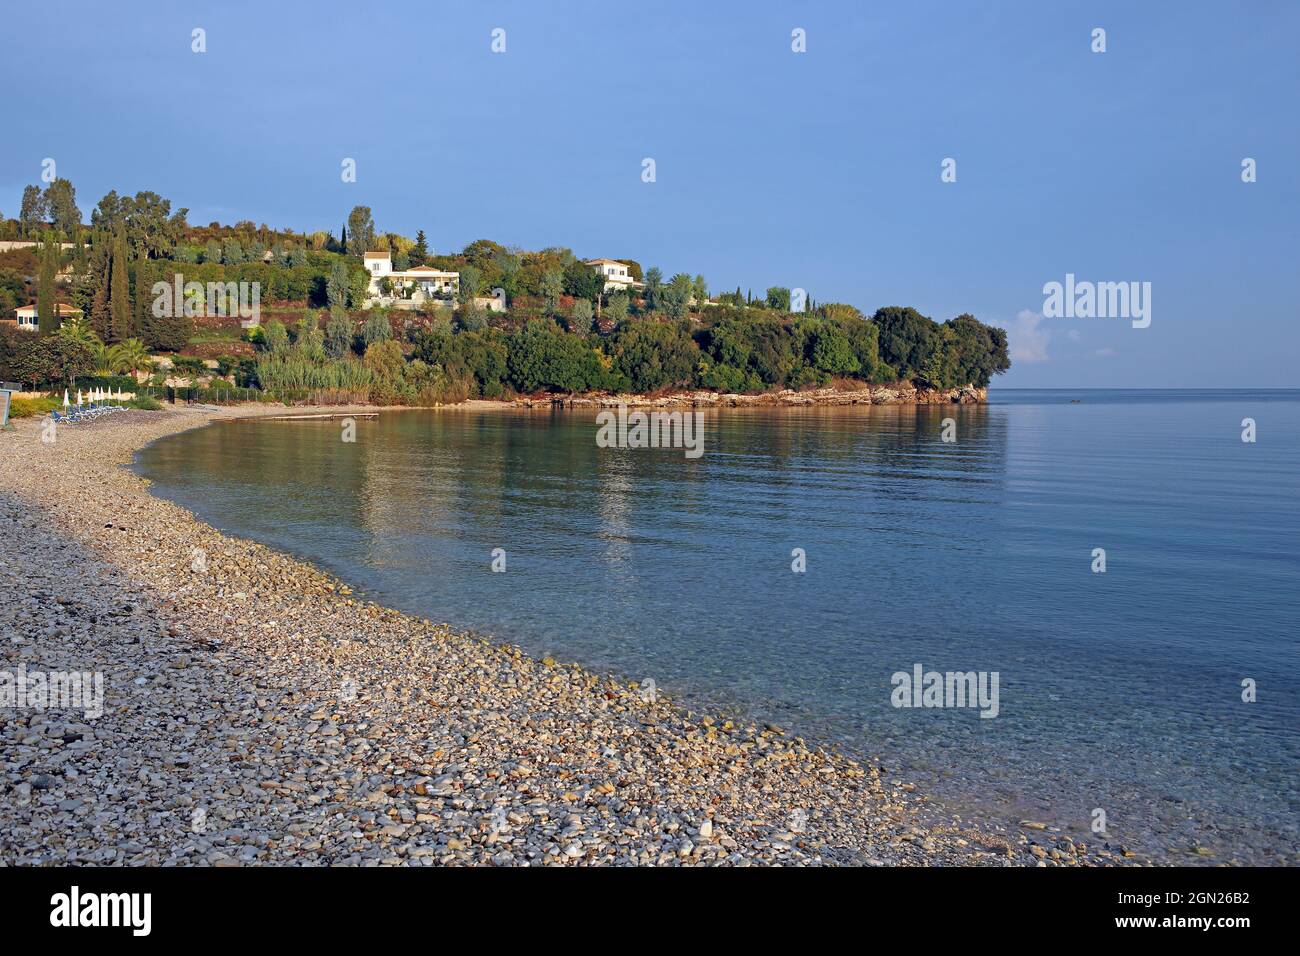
{"points": [[899, 393]]}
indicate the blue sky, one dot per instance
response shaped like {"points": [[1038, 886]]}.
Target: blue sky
{"points": [[818, 170]]}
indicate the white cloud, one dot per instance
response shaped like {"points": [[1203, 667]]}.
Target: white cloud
{"points": [[1026, 342], [1105, 353]]}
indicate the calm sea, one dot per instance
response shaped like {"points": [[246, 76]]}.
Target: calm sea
{"points": [[1120, 691]]}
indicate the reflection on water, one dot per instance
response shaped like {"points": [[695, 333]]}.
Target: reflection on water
{"points": [[1118, 690]]}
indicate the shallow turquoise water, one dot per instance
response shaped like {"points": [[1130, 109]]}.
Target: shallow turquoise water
{"points": [[1119, 691]]}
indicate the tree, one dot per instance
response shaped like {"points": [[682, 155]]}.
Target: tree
{"points": [[164, 327], [47, 317], [655, 355], [699, 291], [581, 316], [471, 281], [23, 356], [336, 286], [377, 328], [616, 309], [676, 296], [907, 339], [121, 322], [472, 318], [94, 292], [34, 210], [81, 332], [582, 281], [977, 351], [65, 359], [338, 334], [152, 229], [61, 204], [551, 288], [169, 332], [420, 251], [384, 358], [129, 357], [212, 251], [540, 356], [358, 287], [761, 350], [633, 267], [506, 266], [654, 280], [13, 291], [275, 337], [143, 295], [778, 298], [110, 212], [17, 351], [361, 229], [830, 350]]}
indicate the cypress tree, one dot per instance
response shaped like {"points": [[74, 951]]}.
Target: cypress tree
{"points": [[336, 286], [47, 319], [119, 299], [99, 250], [142, 296]]}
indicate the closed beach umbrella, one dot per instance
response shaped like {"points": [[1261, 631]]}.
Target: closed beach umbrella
{"points": [[78, 396], [66, 403]]}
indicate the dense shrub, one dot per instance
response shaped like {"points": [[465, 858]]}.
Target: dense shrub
{"points": [[27, 407], [654, 355], [478, 357], [542, 358]]}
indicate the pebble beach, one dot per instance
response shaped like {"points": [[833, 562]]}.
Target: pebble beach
{"points": [[258, 712]]}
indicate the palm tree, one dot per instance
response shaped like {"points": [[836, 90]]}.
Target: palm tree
{"points": [[105, 362], [129, 357], [79, 331]]}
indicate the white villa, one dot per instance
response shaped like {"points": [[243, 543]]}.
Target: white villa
{"points": [[410, 288], [615, 273], [26, 318]]}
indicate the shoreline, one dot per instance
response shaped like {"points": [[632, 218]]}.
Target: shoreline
{"points": [[306, 726], [896, 393]]}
